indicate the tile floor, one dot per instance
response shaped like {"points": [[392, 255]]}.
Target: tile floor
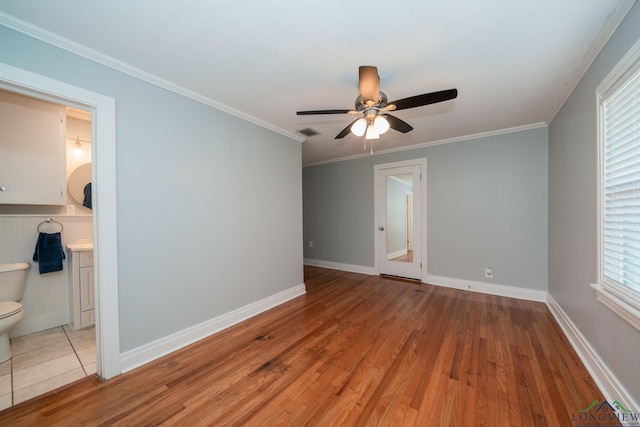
{"points": [[44, 361]]}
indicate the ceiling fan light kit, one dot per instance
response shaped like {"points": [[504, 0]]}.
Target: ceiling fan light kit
{"points": [[359, 127], [374, 106], [370, 126]]}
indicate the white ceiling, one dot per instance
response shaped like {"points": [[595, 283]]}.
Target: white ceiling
{"points": [[514, 62]]}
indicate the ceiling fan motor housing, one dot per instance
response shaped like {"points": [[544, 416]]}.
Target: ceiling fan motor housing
{"points": [[374, 104], [361, 105]]}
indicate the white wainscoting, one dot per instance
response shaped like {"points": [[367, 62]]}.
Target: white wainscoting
{"points": [[46, 298]]}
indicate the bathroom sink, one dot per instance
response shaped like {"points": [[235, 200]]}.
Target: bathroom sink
{"points": [[81, 245]]}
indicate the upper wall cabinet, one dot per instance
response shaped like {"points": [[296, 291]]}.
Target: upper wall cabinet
{"points": [[32, 151]]}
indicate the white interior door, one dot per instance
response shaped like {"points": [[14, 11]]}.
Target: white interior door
{"points": [[398, 216]]}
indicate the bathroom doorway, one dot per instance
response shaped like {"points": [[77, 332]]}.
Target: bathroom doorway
{"points": [[48, 348], [102, 109]]}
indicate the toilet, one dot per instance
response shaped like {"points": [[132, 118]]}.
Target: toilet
{"points": [[13, 280]]}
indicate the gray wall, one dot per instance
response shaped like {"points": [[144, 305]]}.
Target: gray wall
{"points": [[486, 206], [573, 253], [209, 206]]}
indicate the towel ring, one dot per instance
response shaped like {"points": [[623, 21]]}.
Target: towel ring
{"points": [[49, 220]]}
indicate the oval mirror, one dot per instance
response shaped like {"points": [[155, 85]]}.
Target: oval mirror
{"points": [[78, 179]]}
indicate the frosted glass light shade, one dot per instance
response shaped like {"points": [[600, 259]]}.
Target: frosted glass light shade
{"points": [[371, 133], [78, 150], [381, 125], [359, 127]]}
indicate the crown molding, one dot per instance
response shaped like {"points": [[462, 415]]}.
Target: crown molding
{"points": [[431, 143], [85, 52], [610, 26]]}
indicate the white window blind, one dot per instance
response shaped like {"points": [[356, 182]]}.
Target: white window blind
{"points": [[621, 187]]}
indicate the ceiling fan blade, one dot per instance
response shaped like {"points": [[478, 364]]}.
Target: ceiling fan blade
{"points": [[425, 99], [397, 124], [369, 83], [346, 130], [311, 112]]}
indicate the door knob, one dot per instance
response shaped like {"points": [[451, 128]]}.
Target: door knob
{"points": [[381, 228]]}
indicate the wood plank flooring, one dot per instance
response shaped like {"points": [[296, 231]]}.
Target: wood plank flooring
{"points": [[355, 350]]}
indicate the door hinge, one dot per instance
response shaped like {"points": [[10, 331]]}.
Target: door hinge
{"points": [[420, 265]]}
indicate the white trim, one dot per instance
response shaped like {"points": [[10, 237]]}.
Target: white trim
{"points": [[422, 162], [104, 212], [488, 288], [340, 266], [623, 70], [603, 377], [606, 381], [447, 282], [432, 143], [623, 302], [85, 52], [608, 29], [612, 23], [146, 353], [619, 303], [396, 254]]}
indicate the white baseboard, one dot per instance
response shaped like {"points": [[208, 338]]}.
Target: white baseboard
{"points": [[396, 254], [448, 282], [144, 354], [339, 266], [603, 377], [40, 323], [488, 288]]}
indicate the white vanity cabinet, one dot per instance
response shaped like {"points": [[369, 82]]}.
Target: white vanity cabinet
{"points": [[32, 151], [81, 288]]}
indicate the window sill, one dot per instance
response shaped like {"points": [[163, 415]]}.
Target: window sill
{"points": [[618, 303]]}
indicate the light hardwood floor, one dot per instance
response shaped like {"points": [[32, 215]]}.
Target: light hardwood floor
{"points": [[355, 350]]}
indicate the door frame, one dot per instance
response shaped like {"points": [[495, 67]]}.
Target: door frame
{"points": [[422, 162], [409, 199], [103, 173]]}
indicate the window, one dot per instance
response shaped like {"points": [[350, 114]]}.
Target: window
{"points": [[618, 284]]}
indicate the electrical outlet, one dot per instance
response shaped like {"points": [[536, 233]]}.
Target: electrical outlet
{"points": [[488, 272], [310, 243]]}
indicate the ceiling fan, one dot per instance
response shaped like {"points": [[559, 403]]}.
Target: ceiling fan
{"points": [[374, 106]]}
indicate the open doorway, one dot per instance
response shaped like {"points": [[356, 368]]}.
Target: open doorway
{"points": [[47, 169], [103, 156]]}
